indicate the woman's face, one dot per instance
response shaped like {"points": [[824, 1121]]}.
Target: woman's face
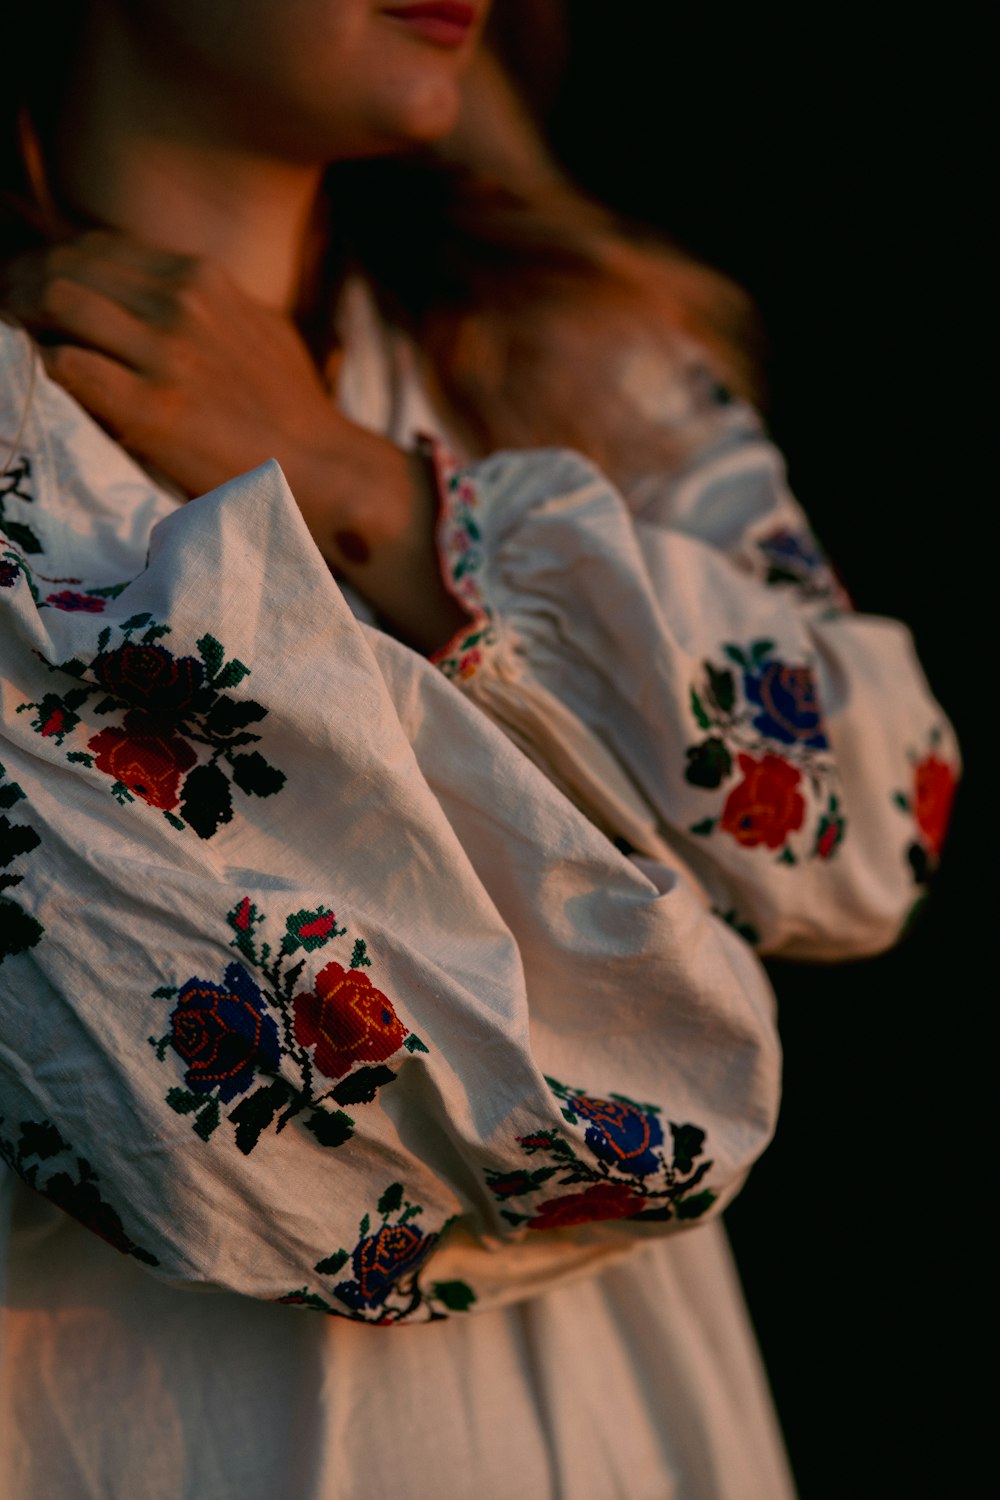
{"points": [[312, 80]]}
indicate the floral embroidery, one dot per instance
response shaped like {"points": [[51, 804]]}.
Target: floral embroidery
{"points": [[830, 831], [145, 758], [747, 708], [459, 540], [604, 1200], [789, 710], [173, 709], [223, 1032], [13, 565], [766, 806], [385, 1263], [796, 558], [934, 784], [929, 804], [627, 1145], [19, 931], [462, 657], [75, 1189], [347, 1020], [458, 532], [232, 1030], [93, 604], [15, 483], [747, 931]]}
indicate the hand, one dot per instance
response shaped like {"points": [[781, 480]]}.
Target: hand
{"points": [[202, 383], [171, 357]]}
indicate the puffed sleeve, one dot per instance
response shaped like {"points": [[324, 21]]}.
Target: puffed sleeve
{"points": [[682, 661], [311, 986]]}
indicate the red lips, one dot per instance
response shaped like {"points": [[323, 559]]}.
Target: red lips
{"points": [[447, 23]]}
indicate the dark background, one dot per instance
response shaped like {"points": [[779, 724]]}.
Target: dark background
{"points": [[827, 162]]}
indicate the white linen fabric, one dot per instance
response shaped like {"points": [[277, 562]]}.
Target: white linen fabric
{"points": [[323, 981]]}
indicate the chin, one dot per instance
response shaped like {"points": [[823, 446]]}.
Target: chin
{"points": [[424, 112]]}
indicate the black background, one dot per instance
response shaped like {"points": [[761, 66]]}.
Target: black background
{"points": [[827, 162]]}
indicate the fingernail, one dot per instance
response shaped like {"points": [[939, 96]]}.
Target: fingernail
{"points": [[352, 547]]}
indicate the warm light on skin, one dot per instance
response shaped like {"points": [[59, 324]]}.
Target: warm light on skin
{"points": [[203, 126], [196, 132]]}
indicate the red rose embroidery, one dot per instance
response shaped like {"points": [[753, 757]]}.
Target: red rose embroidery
{"points": [[347, 1020], [605, 1200], [828, 840], [54, 724], [933, 793], [69, 601], [145, 756], [766, 806]]}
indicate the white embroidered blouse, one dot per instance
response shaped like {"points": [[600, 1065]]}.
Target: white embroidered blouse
{"points": [[361, 989]]}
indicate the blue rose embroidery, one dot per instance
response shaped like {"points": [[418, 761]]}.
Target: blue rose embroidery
{"points": [[223, 1033], [793, 549], [621, 1134], [378, 1262], [788, 704]]}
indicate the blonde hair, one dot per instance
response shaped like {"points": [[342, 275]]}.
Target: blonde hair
{"points": [[529, 306]]}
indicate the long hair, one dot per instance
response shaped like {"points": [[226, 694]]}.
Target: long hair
{"points": [[524, 302]]}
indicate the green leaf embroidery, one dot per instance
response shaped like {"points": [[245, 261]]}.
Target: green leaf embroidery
{"points": [[18, 929], [206, 801], [111, 592], [332, 1263], [256, 776], [722, 686], [390, 1199], [184, 1102], [22, 536], [229, 714], [361, 1086], [255, 1112], [232, 673], [15, 839], [697, 708], [331, 1129], [207, 1120], [211, 652], [456, 1296], [694, 1206]]}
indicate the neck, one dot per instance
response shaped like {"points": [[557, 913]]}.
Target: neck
{"points": [[138, 157]]}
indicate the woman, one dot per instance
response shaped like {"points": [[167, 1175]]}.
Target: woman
{"points": [[320, 987]]}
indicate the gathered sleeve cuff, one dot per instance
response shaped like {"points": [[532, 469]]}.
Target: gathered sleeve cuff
{"points": [[687, 668]]}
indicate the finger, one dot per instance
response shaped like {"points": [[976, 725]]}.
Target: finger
{"points": [[110, 247], [111, 392], [73, 310], [147, 283]]}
